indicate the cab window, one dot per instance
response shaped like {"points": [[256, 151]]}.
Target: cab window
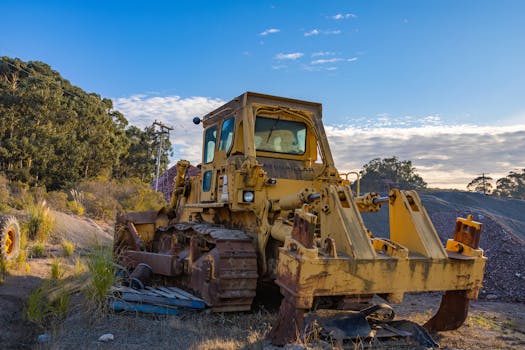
{"points": [[280, 136], [226, 139], [210, 138]]}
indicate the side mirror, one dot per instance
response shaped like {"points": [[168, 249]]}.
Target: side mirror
{"points": [[196, 120]]}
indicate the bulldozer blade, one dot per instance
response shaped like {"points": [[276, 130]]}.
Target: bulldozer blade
{"points": [[452, 312]]}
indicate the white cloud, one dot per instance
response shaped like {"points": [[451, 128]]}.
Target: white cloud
{"points": [[323, 53], [327, 60], [288, 56], [447, 156], [325, 32], [270, 31], [143, 110], [332, 60], [340, 16], [312, 32]]}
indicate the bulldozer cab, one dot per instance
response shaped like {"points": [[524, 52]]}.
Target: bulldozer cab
{"points": [[285, 136]]}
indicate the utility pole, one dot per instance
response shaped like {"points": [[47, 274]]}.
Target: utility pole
{"points": [[164, 129]]}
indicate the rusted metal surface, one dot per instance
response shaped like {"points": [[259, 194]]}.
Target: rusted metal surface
{"points": [[303, 231], [289, 323], [141, 276], [468, 232], [134, 237], [226, 277], [452, 312], [161, 264]]}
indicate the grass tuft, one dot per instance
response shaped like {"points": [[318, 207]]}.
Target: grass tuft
{"points": [[38, 250], [102, 269], [43, 311], [68, 248], [57, 270], [3, 271], [40, 222]]}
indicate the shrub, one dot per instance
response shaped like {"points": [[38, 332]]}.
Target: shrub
{"points": [[38, 250], [136, 195], [40, 221], [104, 198], [20, 197], [41, 310], [57, 200], [75, 207], [4, 193]]}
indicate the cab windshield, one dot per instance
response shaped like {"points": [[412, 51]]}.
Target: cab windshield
{"points": [[280, 136]]}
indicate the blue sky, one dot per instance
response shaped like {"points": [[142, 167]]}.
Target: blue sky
{"points": [[439, 82]]}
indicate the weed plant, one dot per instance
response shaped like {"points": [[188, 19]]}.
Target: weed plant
{"points": [[68, 248], [57, 270], [40, 222], [41, 311], [38, 250], [100, 265]]}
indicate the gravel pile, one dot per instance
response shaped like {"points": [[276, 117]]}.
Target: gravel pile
{"points": [[505, 270], [166, 180]]}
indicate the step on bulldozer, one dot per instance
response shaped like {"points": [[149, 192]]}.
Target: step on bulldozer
{"points": [[269, 206]]}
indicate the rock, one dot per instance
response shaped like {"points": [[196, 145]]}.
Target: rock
{"points": [[106, 337], [492, 296], [44, 338]]}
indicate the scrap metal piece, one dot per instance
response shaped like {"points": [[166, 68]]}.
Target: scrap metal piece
{"points": [[141, 276], [341, 325]]}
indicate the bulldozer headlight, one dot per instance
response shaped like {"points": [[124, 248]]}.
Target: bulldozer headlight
{"points": [[247, 196]]}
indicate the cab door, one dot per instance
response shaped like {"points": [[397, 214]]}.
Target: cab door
{"points": [[208, 188]]}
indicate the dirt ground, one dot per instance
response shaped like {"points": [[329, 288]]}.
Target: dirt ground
{"points": [[491, 323]]}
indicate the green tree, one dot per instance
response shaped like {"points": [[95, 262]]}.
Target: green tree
{"points": [[511, 186], [380, 175], [481, 184], [55, 134], [141, 157]]}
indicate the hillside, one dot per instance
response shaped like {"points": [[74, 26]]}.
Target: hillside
{"points": [[503, 235]]}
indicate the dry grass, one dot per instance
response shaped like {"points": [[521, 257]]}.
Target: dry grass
{"points": [[68, 248], [40, 222]]}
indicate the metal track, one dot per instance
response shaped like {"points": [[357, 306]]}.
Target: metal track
{"points": [[226, 276]]}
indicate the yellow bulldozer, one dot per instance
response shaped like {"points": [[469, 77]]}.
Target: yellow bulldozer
{"points": [[269, 205]]}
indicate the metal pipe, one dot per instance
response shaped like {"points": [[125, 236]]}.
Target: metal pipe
{"points": [[380, 200]]}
